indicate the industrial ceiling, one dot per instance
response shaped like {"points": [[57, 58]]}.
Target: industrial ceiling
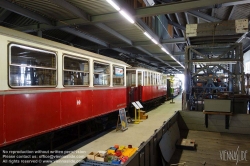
{"points": [[96, 26]]}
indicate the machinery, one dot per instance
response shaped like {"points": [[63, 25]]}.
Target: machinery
{"points": [[214, 65], [213, 72]]}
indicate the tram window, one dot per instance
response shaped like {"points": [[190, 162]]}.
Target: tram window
{"points": [[153, 78], [101, 74], [150, 78], [31, 67], [146, 78], [118, 76], [76, 71], [158, 79], [164, 80], [131, 75], [139, 78]]}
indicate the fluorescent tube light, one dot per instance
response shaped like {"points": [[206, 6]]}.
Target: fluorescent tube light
{"points": [[154, 41], [165, 50], [114, 5], [124, 14], [145, 33]]}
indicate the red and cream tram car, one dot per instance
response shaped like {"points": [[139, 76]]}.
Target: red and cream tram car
{"points": [[146, 86], [46, 85]]}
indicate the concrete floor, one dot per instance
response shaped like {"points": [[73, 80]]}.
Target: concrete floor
{"points": [[134, 135]]}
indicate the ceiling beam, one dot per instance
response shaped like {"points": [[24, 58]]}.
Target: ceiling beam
{"points": [[176, 7], [236, 3], [231, 13], [84, 36], [178, 53], [186, 16], [24, 12], [212, 12], [173, 40], [4, 14], [176, 25], [113, 32], [148, 53], [178, 20], [203, 16], [149, 42], [71, 8], [171, 23]]}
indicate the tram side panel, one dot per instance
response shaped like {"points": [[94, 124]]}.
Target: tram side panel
{"points": [[146, 93], [1, 121], [156, 91], [151, 92], [82, 105], [76, 106], [119, 98], [102, 102], [33, 114]]}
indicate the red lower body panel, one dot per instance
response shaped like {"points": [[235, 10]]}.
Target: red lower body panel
{"points": [[27, 115], [103, 102], [76, 106], [152, 92], [119, 98], [30, 114]]}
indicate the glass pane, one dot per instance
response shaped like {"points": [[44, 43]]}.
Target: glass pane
{"points": [[28, 76], [131, 78], [139, 78], [164, 80], [150, 78], [76, 64], [118, 76], [79, 71], [101, 74], [76, 78], [145, 78], [101, 68], [28, 56], [101, 79]]}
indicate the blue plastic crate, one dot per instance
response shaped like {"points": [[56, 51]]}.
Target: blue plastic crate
{"points": [[87, 162]]}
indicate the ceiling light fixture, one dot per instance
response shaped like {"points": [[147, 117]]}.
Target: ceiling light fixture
{"points": [[163, 49], [128, 17], [114, 5], [154, 41], [145, 33]]}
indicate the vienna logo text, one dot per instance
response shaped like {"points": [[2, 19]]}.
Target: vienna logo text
{"points": [[233, 155]]}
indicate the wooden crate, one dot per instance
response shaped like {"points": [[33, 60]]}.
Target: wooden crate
{"points": [[91, 155], [144, 117], [142, 113]]}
